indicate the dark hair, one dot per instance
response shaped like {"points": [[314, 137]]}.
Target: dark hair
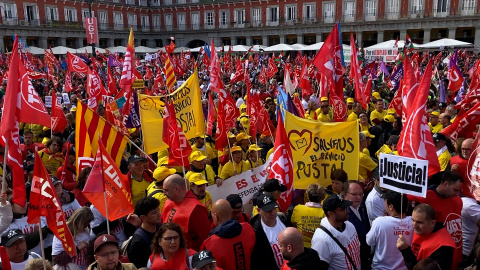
{"points": [[156, 248], [145, 205], [28, 131], [379, 100], [58, 140], [315, 193], [427, 264], [340, 175], [452, 177], [427, 209], [394, 198], [82, 177]]}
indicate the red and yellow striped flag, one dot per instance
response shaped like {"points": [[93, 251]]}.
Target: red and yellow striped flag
{"points": [[88, 126], [171, 79]]}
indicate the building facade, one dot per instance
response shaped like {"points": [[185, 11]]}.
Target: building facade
{"points": [[266, 22]]}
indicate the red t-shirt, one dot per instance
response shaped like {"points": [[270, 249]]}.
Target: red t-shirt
{"points": [[463, 171], [26, 149]]}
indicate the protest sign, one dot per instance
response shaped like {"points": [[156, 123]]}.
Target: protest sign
{"points": [[188, 110], [48, 101], [65, 98], [404, 175], [244, 184], [319, 148]]}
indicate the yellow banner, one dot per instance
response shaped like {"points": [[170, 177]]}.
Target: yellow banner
{"points": [[319, 148], [188, 110]]}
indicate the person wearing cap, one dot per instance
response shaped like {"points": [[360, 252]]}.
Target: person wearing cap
{"points": [[52, 155], [383, 235], [204, 260], [106, 254], [265, 143], [243, 140], [369, 138], [244, 123], [296, 255], [267, 226], [324, 114], [236, 204], [337, 224], [198, 165], [430, 240], [68, 173], [224, 156], [366, 163], [231, 242], [16, 246], [377, 115], [273, 186], [323, 102], [201, 146], [443, 146], [237, 166], [184, 208], [28, 146], [306, 218], [155, 189], [356, 110], [137, 177], [434, 125], [198, 185], [381, 132], [350, 103], [253, 156]]}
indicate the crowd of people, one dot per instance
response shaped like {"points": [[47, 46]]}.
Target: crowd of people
{"points": [[353, 223]]}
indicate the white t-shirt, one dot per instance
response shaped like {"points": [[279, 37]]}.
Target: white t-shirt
{"points": [[240, 101], [470, 217], [304, 104], [27, 228], [375, 206], [330, 252], [98, 219], [21, 265], [81, 259], [383, 238], [272, 236], [69, 208]]}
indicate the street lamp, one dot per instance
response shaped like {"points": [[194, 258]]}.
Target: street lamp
{"points": [[89, 2]]}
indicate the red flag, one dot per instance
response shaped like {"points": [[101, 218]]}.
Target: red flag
{"points": [[409, 89], [465, 124], [262, 77], [305, 80], [148, 73], [44, 202], [282, 165], [170, 48], [107, 178], [95, 89], [227, 116], [416, 138], [68, 82], [239, 74], [126, 80], [272, 68], [216, 83], [111, 84], [4, 257], [397, 100], [355, 73], [76, 64], [212, 114], [455, 79], [59, 121], [11, 93], [471, 186], [298, 105], [179, 148]]}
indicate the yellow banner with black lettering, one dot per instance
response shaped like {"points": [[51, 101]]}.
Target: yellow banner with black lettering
{"points": [[188, 110], [319, 148]]}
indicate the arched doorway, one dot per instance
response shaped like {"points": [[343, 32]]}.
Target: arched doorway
{"points": [[195, 43]]}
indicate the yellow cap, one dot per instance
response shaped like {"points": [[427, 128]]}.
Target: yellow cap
{"points": [[254, 147], [245, 121], [389, 118], [350, 100], [367, 134], [197, 179], [132, 130], [243, 106], [235, 148], [376, 95], [435, 113], [245, 97], [73, 109], [297, 94], [162, 172], [196, 156], [242, 136], [231, 135], [162, 161], [275, 100], [391, 111], [45, 128], [324, 99], [199, 135]]}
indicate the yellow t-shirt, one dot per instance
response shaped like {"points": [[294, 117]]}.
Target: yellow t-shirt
{"points": [[364, 127], [207, 173], [436, 129], [210, 153], [165, 153], [377, 115], [255, 164], [366, 164], [158, 195], [36, 130], [139, 190], [51, 164], [324, 117], [444, 159], [227, 170], [352, 117], [207, 201], [366, 152], [307, 219]]}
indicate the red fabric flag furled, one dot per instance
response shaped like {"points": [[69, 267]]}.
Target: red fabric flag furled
{"points": [[212, 114], [305, 80], [68, 82], [216, 83], [416, 138], [95, 89], [4, 257], [465, 124], [107, 178], [126, 80], [397, 100], [298, 105], [355, 73], [455, 78], [59, 121], [282, 165], [239, 74], [44, 202], [111, 83], [227, 117], [272, 68], [76, 64], [409, 88], [179, 148]]}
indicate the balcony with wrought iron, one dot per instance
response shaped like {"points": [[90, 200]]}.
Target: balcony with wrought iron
{"points": [[348, 17], [309, 20], [370, 16], [416, 13], [441, 12], [328, 18]]}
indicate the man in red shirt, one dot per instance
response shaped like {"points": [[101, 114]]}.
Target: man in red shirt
{"points": [[68, 174], [447, 204], [28, 146], [459, 165]]}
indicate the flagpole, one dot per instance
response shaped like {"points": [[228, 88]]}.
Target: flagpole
{"points": [[41, 244], [230, 151], [183, 169], [148, 157], [5, 155], [106, 209]]}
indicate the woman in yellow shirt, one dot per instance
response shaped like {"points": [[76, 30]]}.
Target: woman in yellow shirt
{"points": [[363, 122], [52, 155], [253, 156]]}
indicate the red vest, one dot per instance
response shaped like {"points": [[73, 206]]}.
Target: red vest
{"points": [[232, 253], [424, 246], [178, 262], [285, 266], [180, 212]]}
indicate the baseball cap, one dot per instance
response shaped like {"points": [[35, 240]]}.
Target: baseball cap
{"points": [[104, 239], [231, 135], [435, 113], [242, 136], [162, 161], [55, 180], [272, 185], [391, 111], [199, 135], [333, 202], [350, 100], [367, 134], [266, 202], [442, 105], [196, 156], [376, 95], [197, 179], [11, 237], [202, 258], [324, 99], [162, 172], [235, 201], [389, 118], [235, 148], [439, 137], [134, 159], [254, 147], [73, 109]]}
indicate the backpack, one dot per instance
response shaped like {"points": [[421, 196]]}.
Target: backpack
{"points": [[126, 243]]}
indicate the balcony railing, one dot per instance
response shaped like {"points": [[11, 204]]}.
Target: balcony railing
{"points": [[370, 16], [348, 17], [416, 13], [392, 15], [328, 18], [467, 11]]}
